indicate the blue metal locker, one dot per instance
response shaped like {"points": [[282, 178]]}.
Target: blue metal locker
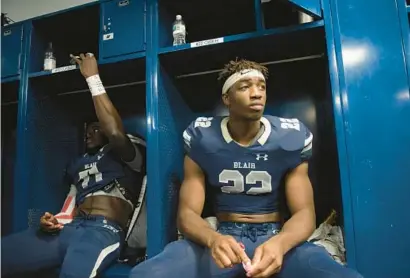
{"points": [[372, 110], [122, 28], [11, 50], [312, 7]]}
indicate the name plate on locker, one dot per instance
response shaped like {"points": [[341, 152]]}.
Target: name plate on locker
{"points": [[67, 68], [207, 42]]}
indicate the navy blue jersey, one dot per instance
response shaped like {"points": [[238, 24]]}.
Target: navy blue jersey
{"points": [[246, 179], [100, 171]]}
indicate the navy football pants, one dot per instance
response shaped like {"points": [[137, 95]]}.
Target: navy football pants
{"points": [[186, 259], [83, 248]]}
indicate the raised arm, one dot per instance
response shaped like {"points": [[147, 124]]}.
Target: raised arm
{"points": [[107, 114]]}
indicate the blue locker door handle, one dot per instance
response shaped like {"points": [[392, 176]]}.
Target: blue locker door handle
{"points": [[123, 3]]}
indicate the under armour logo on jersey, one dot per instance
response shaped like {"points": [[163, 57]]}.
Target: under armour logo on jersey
{"points": [[260, 156]]}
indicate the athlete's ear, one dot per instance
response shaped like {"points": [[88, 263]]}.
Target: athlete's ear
{"points": [[225, 99]]}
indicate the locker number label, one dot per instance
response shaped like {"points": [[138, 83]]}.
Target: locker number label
{"points": [[61, 69], [207, 42]]}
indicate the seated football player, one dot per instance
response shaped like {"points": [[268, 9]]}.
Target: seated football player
{"points": [[86, 237], [244, 157]]}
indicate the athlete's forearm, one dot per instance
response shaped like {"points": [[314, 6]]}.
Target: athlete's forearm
{"points": [[107, 115], [192, 226], [297, 229]]}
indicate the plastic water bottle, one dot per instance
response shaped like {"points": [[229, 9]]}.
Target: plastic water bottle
{"points": [[49, 59], [178, 31]]}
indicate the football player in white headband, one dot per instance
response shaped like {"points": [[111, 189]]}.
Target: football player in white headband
{"points": [[240, 161]]}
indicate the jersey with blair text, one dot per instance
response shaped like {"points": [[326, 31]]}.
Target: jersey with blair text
{"points": [[102, 171], [246, 179]]}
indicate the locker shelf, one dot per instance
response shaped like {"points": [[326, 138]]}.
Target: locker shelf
{"points": [[70, 32], [124, 57], [206, 19], [10, 79], [71, 80], [283, 43], [59, 70]]}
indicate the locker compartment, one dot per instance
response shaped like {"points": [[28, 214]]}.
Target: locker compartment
{"points": [[311, 7], [72, 31], [9, 106], [281, 14], [298, 86], [273, 46], [11, 44], [58, 114], [122, 28], [206, 19]]}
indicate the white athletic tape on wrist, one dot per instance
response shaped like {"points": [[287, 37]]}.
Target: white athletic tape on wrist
{"points": [[248, 73], [95, 85]]}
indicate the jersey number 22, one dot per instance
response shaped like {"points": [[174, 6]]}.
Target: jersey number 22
{"points": [[238, 181]]}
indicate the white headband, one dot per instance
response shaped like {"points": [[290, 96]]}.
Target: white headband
{"points": [[240, 75]]}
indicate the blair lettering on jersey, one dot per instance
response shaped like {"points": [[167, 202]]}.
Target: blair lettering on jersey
{"points": [[91, 165], [244, 165]]}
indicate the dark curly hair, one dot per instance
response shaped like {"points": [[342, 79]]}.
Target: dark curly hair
{"points": [[239, 65]]}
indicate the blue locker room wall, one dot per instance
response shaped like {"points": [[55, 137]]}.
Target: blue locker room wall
{"points": [[353, 92]]}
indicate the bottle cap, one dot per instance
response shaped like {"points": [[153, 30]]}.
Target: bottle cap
{"points": [[179, 17]]}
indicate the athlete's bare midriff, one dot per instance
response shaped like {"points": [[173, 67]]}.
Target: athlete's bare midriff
{"points": [[113, 208], [248, 218]]}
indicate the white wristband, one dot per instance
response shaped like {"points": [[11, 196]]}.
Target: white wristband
{"points": [[95, 85]]}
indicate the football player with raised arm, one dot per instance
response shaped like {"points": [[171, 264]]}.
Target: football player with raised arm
{"points": [[86, 236], [243, 158]]}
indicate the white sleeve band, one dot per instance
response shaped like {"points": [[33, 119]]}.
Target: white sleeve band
{"points": [[95, 85]]}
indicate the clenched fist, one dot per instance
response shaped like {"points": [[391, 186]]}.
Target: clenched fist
{"points": [[88, 64], [49, 223]]}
